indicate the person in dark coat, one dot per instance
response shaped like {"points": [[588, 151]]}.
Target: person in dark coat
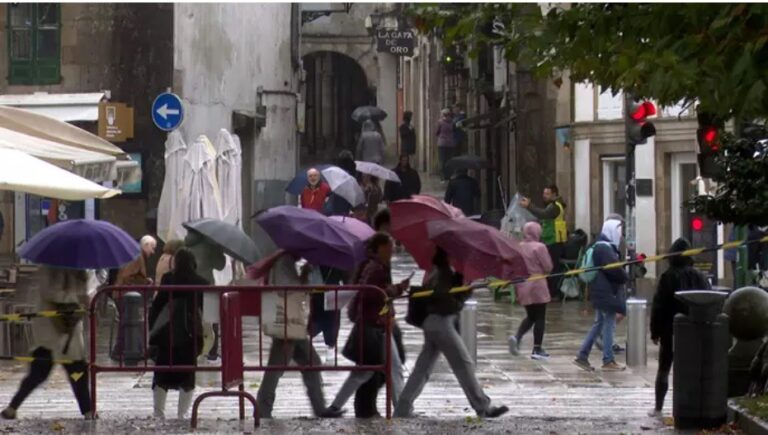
{"points": [[407, 135], [463, 192], [680, 275], [186, 333], [409, 185]]}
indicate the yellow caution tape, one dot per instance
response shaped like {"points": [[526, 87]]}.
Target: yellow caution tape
{"points": [[47, 314], [29, 359]]}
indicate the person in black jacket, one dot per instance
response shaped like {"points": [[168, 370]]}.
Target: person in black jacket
{"points": [[407, 135], [680, 276], [442, 337], [410, 182], [463, 191]]}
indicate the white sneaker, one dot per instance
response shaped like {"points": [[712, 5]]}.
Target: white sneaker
{"points": [[654, 413]]}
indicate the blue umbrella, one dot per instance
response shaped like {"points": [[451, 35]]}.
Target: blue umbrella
{"points": [[299, 182], [81, 244]]}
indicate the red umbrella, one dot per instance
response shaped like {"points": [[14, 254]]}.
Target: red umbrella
{"points": [[409, 224], [477, 250]]}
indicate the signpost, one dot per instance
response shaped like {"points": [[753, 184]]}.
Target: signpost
{"points": [[167, 111], [115, 122], [397, 42]]}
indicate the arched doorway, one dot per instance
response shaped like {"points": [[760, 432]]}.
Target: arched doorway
{"points": [[335, 85]]}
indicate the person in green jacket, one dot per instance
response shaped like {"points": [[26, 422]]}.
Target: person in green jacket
{"points": [[554, 232]]}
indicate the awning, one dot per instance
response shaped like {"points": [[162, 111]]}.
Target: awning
{"points": [[22, 172], [63, 107]]}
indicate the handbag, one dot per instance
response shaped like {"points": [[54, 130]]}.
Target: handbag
{"points": [[372, 352], [417, 308]]}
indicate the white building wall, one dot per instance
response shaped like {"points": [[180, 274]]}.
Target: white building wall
{"points": [[609, 106], [581, 180], [584, 95]]}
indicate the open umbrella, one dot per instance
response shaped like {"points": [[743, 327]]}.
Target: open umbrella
{"points": [[467, 161], [299, 182], [313, 236], [478, 251], [344, 185], [231, 238], [409, 224], [377, 171], [357, 227], [81, 244], [368, 112]]}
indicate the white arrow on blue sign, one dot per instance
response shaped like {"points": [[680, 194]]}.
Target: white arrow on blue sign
{"points": [[167, 111]]}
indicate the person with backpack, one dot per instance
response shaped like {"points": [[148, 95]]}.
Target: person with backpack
{"points": [[442, 337], [534, 295], [606, 294], [680, 275]]}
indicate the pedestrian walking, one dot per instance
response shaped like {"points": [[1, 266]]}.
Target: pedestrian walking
{"points": [[607, 296], [445, 142], [316, 192], [325, 321], [534, 295], [165, 263], [370, 146], [442, 337], [365, 311], [681, 275], [459, 136], [382, 222], [57, 338], [373, 196], [336, 205], [176, 331], [289, 343], [407, 135], [463, 192], [410, 182], [554, 229]]}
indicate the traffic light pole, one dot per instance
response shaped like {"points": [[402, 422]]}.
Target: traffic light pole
{"points": [[630, 229]]}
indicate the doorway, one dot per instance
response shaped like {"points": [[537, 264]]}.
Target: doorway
{"points": [[614, 185]]}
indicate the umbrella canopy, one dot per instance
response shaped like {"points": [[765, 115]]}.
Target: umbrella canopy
{"points": [[23, 173], [344, 185], [81, 244], [377, 171], [362, 230], [229, 175], [317, 238], [478, 251], [171, 198], [232, 239], [467, 161], [299, 182], [409, 219], [368, 112]]}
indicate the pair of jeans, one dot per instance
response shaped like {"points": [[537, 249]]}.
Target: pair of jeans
{"points": [[605, 324], [443, 155], [441, 337]]}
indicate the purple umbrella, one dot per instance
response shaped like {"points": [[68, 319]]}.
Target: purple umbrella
{"points": [[313, 236], [357, 227], [81, 244]]}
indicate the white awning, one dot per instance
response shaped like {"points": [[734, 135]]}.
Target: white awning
{"points": [[63, 107]]}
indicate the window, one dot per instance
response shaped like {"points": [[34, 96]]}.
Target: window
{"points": [[34, 43]]}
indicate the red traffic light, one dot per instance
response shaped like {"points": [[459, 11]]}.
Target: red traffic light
{"points": [[641, 257], [697, 224], [709, 135], [642, 111]]}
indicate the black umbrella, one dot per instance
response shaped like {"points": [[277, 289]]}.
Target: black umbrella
{"points": [[373, 113], [232, 239], [467, 161]]}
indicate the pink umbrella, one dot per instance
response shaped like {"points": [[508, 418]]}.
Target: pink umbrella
{"points": [[477, 250], [409, 224], [355, 226]]}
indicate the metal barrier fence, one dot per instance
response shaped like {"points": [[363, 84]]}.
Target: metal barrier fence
{"points": [[249, 299]]}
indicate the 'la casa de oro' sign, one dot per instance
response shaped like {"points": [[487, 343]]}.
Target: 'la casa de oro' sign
{"points": [[397, 42]]}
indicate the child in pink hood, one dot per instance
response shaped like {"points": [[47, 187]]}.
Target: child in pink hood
{"points": [[533, 295]]}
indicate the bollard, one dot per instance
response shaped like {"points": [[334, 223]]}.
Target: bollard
{"points": [[132, 324], [637, 355], [468, 327]]}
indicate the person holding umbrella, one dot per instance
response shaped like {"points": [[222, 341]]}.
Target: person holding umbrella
{"points": [[441, 337], [370, 146], [463, 192], [316, 192]]}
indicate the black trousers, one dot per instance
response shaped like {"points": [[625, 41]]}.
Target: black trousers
{"points": [[666, 356], [536, 317], [366, 395], [40, 369]]}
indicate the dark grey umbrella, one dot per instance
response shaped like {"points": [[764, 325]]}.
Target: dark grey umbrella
{"points": [[232, 239], [467, 161], [368, 112]]}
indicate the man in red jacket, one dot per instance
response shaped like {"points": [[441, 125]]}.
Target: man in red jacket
{"points": [[315, 194]]}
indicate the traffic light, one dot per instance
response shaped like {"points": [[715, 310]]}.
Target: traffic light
{"points": [[697, 224], [452, 60], [708, 137], [639, 129]]}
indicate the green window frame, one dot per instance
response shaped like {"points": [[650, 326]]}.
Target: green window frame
{"points": [[34, 43]]}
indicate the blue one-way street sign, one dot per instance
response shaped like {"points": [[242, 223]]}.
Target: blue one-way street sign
{"points": [[167, 111]]}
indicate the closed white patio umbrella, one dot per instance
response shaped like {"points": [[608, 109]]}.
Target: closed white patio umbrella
{"points": [[171, 198]]}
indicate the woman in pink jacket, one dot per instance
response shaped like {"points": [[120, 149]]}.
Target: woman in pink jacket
{"points": [[533, 295]]}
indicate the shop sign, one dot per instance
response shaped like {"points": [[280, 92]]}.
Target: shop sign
{"points": [[397, 42], [115, 121]]}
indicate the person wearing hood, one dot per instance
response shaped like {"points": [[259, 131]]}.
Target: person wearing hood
{"points": [[607, 297], [681, 275], [463, 192], [554, 229], [370, 146], [533, 295]]}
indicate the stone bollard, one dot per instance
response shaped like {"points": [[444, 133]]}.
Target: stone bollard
{"points": [[637, 333], [132, 324]]}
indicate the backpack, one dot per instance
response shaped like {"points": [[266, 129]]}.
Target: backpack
{"points": [[588, 262]]}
